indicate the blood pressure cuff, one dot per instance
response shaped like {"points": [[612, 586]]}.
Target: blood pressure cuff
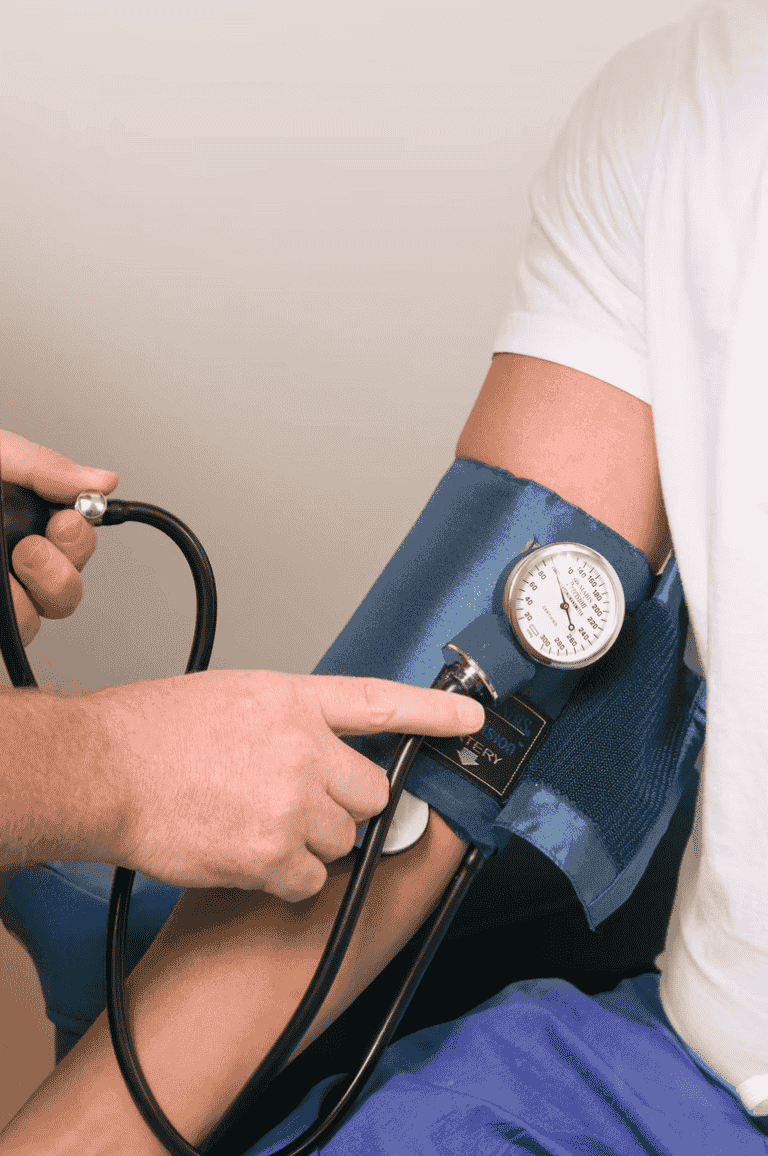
{"points": [[589, 765]]}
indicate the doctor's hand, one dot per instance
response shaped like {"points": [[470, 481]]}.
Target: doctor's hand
{"points": [[50, 567], [239, 779]]}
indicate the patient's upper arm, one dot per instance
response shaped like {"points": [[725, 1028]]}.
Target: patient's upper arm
{"points": [[590, 442]]}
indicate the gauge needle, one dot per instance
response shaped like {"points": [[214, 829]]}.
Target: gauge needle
{"points": [[564, 604]]}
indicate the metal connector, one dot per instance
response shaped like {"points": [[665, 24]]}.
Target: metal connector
{"points": [[92, 505], [468, 674]]}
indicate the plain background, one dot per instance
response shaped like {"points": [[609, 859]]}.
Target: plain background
{"points": [[254, 257]]}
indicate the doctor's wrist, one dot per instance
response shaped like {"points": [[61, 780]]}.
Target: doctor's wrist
{"points": [[61, 799]]}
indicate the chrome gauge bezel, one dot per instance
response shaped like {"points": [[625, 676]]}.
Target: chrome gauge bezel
{"points": [[538, 557]]}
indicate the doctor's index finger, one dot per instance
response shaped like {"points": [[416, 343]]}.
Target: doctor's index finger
{"points": [[359, 706]]}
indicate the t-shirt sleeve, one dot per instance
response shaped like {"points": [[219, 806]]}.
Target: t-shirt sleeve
{"points": [[578, 291]]}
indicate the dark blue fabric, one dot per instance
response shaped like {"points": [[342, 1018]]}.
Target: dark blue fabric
{"points": [[599, 794], [545, 1070]]}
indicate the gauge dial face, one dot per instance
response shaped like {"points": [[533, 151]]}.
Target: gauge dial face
{"points": [[565, 604]]}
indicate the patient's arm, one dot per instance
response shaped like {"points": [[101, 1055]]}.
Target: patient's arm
{"points": [[228, 969], [590, 442]]}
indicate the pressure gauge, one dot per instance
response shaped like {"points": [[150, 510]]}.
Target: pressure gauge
{"points": [[565, 604]]}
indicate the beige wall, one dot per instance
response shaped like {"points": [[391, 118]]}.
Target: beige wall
{"points": [[253, 256]]}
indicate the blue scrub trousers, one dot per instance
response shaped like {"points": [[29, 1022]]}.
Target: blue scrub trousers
{"points": [[545, 1070]]}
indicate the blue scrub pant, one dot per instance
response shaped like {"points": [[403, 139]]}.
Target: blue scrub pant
{"points": [[545, 1070]]}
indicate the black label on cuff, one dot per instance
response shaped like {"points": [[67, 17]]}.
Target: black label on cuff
{"points": [[494, 757]]}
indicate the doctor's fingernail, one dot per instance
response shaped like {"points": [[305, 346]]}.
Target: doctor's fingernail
{"points": [[471, 713]]}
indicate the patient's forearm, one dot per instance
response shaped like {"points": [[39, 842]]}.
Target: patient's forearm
{"points": [[214, 992]]}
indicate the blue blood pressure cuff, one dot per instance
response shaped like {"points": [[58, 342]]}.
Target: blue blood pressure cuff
{"points": [[588, 765]]}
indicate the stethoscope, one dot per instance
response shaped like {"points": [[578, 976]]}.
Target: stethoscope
{"points": [[21, 513]]}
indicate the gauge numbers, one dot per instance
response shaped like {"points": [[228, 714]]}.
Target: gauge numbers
{"points": [[565, 604]]}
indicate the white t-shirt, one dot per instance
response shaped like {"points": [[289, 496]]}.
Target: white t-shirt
{"points": [[647, 266]]}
